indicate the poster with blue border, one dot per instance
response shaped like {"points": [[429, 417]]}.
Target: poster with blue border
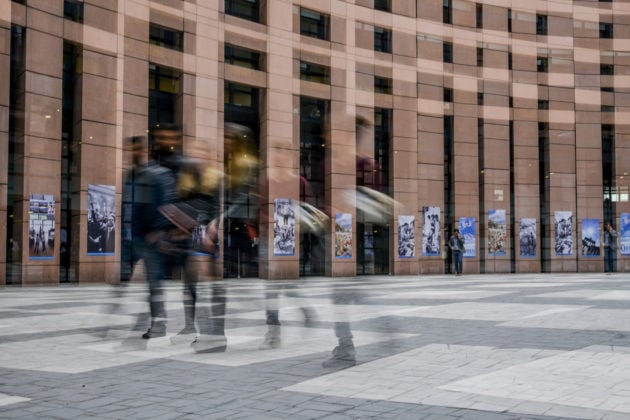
{"points": [[624, 237], [527, 237], [497, 235], [467, 228], [591, 244], [41, 227], [431, 232], [343, 235], [406, 236]]}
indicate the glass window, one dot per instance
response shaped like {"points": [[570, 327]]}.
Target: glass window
{"points": [[605, 30], [242, 57], [479, 98], [509, 20], [73, 10], [382, 85], [479, 57], [542, 64], [509, 61], [448, 94], [608, 108], [447, 50], [447, 11], [382, 40], [541, 24], [245, 9], [543, 104], [479, 12], [314, 24], [383, 5], [606, 69], [166, 37], [314, 73]]}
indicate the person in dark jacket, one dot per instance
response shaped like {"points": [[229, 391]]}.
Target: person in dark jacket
{"points": [[147, 187]]}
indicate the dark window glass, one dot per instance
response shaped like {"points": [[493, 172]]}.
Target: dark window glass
{"points": [[479, 57], [382, 85], [608, 108], [314, 24], [447, 49], [382, 40], [314, 73], [164, 90], [166, 37], [605, 30], [605, 1], [606, 69], [479, 98], [542, 64], [383, 5], [607, 89], [448, 94], [509, 20], [541, 25], [19, 1], [509, 61], [447, 11], [73, 10], [543, 104], [479, 12], [242, 57], [246, 9], [511, 102]]}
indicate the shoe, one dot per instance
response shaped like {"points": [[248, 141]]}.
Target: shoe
{"points": [[344, 356], [272, 338], [158, 329], [209, 343], [184, 336]]}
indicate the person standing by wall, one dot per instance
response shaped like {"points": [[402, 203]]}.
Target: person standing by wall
{"points": [[456, 244], [610, 248]]}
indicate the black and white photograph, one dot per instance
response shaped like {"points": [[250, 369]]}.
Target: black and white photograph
{"points": [[284, 227], [527, 237], [41, 229], [101, 219], [431, 232], [564, 233], [406, 237]]}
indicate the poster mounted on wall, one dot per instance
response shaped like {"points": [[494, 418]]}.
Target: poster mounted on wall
{"points": [[563, 223], [406, 237], [431, 232], [284, 227], [527, 238], [590, 238], [101, 225], [497, 235], [624, 233], [467, 230], [41, 227], [343, 235]]}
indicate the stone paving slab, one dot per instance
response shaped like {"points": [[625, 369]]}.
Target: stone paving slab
{"points": [[526, 346]]}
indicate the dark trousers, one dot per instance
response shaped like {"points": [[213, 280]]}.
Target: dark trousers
{"points": [[155, 277], [610, 256], [458, 257]]}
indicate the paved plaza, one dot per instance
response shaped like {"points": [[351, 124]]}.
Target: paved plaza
{"points": [[533, 346]]}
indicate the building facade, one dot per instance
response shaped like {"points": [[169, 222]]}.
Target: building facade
{"points": [[507, 119]]}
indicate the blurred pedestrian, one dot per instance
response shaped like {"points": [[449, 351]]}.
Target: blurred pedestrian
{"points": [[610, 248], [456, 244]]}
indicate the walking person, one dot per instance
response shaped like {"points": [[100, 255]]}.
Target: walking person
{"points": [[610, 248], [147, 187], [456, 244]]}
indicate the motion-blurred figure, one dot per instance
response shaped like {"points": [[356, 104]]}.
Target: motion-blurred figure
{"points": [[195, 216], [147, 187]]}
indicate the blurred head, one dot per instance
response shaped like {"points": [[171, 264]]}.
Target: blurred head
{"points": [[139, 149], [456, 231], [167, 140], [238, 138]]}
